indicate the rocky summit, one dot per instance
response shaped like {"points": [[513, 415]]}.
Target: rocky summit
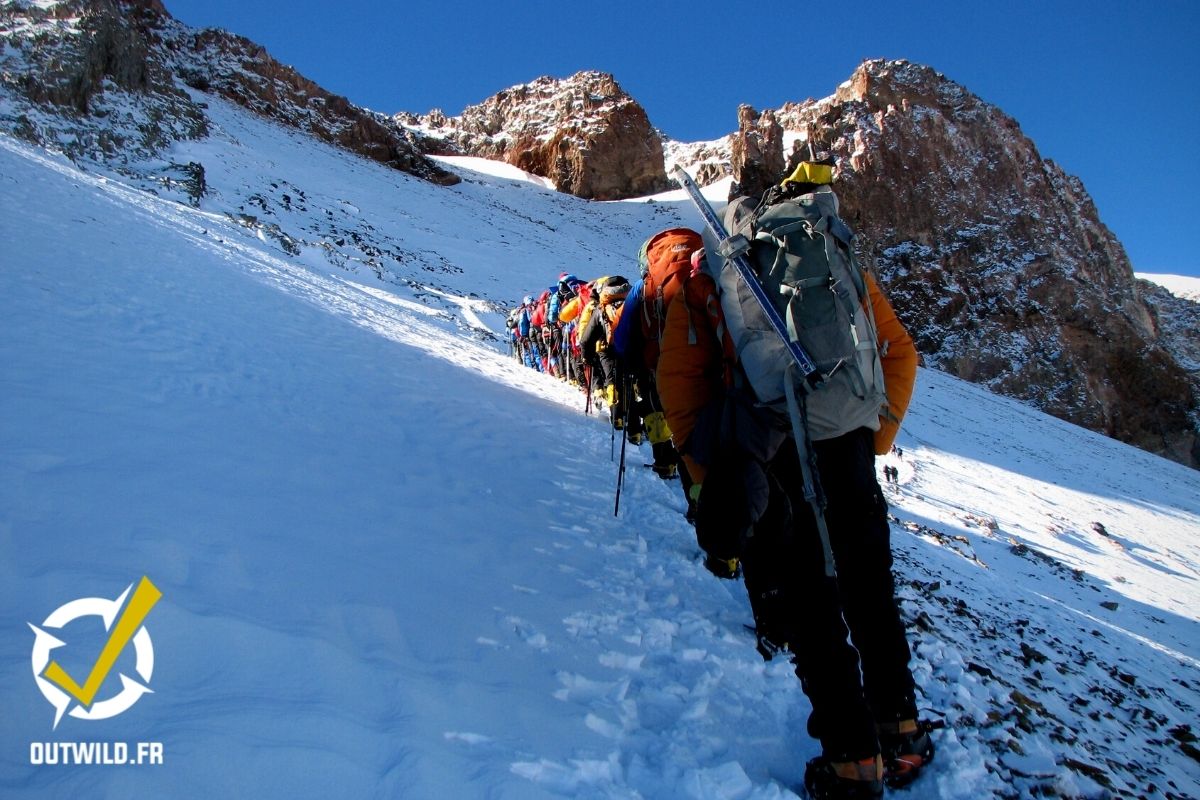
{"points": [[995, 259], [584, 133]]}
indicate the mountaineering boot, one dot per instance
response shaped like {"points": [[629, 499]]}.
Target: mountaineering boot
{"points": [[666, 461], [725, 568], [907, 748], [844, 780], [668, 472]]}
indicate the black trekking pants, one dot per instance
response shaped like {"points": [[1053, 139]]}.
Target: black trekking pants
{"points": [[783, 566]]}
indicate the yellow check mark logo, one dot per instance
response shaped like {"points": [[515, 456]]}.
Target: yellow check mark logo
{"points": [[144, 597]]}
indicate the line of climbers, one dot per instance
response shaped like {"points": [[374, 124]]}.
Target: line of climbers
{"points": [[584, 333], [781, 489]]}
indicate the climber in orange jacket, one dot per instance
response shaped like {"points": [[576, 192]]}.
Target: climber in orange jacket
{"points": [[752, 514]]}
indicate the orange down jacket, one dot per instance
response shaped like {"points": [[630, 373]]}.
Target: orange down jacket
{"points": [[696, 360]]}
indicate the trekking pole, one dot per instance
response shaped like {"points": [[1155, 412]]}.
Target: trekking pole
{"points": [[612, 436], [620, 479], [624, 439], [587, 376]]}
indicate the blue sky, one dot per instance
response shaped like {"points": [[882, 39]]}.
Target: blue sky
{"points": [[1109, 90]]}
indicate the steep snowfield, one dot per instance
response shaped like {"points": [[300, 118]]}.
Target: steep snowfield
{"points": [[388, 555], [1184, 286]]}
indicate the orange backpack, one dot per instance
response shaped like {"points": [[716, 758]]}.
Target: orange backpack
{"points": [[668, 263]]}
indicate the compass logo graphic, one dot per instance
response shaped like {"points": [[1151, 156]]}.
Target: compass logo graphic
{"points": [[124, 623]]}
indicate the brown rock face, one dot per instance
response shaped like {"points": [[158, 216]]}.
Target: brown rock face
{"points": [[756, 152], [584, 133], [1177, 320], [995, 259], [68, 58]]}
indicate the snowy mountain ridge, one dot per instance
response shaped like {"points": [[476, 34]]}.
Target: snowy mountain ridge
{"points": [[997, 260], [387, 553]]}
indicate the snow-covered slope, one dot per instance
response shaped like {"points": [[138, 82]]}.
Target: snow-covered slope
{"points": [[1183, 286], [388, 556]]}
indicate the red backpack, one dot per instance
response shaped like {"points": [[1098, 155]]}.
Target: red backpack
{"points": [[585, 295], [538, 318]]}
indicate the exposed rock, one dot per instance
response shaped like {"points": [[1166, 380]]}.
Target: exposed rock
{"points": [[82, 76], [708, 162], [1177, 321], [756, 152], [584, 133]]}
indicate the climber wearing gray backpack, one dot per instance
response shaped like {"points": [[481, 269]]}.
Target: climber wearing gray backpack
{"points": [[782, 377]]}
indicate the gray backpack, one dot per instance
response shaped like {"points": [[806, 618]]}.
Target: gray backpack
{"points": [[803, 255]]}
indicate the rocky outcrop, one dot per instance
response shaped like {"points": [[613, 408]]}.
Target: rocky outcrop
{"points": [[756, 152], [83, 76], [996, 259], [708, 162], [105, 79], [1177, 322], [583, 133]]}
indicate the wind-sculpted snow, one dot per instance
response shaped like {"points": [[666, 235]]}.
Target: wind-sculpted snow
{"points": [[388, 555]]}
